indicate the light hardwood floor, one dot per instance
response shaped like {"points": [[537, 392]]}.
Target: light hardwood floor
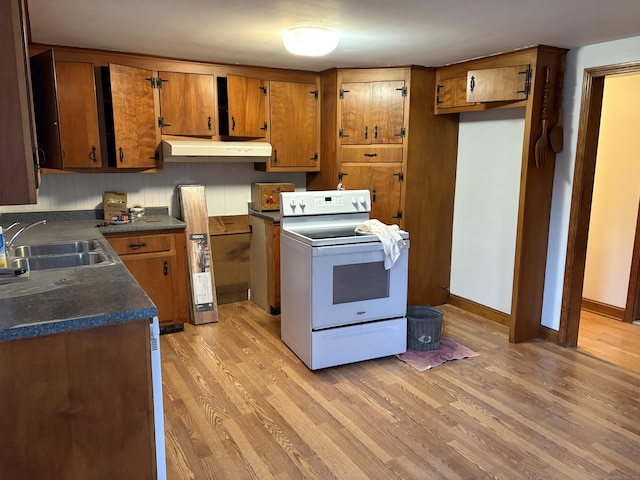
{"points": [[610, 340], [240, 405]]}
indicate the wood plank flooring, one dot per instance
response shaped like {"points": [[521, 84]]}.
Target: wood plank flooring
{"points": [[610, 340], [240, 405]]}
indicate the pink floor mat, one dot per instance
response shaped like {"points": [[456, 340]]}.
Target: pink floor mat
{"points": [[426, 359]]}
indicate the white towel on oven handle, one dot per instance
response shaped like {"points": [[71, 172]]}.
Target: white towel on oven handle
{"points": [[390, 237]]}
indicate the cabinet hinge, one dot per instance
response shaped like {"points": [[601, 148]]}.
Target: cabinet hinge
{"points": [[342, 92], [438, 102], [264, 90], [161, 123], [341, 176], [399, 215], [400, 176], [315, 94], [315, 157], [264, 127], [155, 82], [527, 81], [404, 91], [403, 133], [341, 134]]}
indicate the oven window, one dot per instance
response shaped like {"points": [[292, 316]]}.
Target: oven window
{"points": [[360, 281]]}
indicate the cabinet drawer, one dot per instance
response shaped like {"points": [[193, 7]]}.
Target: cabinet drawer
{"points": [[371, 154], [141, 244]]}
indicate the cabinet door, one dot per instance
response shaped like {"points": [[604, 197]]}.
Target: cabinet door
{"points": [[385, 188], [19, 179], [452, 92], [498, 84], [157, 277], [294, 125], [187, 104], [387, 112], [247, 106], [354, 177], [355, 104], [134, 116], [78, 115]]}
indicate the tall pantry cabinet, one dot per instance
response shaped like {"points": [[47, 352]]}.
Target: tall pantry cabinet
{"points": [[378, 132]]}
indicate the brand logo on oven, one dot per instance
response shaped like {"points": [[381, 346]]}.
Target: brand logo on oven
{"points": [[360, 313]]}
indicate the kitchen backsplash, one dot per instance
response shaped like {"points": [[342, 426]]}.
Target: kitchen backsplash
{"points": [[227, 186]]}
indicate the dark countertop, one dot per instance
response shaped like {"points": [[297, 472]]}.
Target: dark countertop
{"points": [[58, 300], [270, 216]]}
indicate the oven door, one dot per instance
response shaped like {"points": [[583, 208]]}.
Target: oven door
{"points": [[350, 285]]}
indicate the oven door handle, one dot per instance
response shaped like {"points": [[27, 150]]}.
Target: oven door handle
{"points": [[352, 248]]}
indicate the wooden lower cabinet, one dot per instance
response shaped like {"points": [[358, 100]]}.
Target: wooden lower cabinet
{"points": [[265, 264], [78, 404], [157, 260]]}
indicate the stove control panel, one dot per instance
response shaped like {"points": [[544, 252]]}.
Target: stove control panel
{"points": [[324, 202]]}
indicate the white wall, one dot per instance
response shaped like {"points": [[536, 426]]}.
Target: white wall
{"points": [[486, 206], [608, 53], [616, 188], [227, 187]]}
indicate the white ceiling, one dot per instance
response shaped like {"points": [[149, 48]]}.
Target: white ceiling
{"points": [[373, 32]]}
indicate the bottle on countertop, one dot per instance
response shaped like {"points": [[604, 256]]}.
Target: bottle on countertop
{"points": [[3, 253]]}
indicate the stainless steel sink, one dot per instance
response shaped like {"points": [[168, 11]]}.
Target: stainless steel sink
{"points": [[45, 262], [46, 256], [54, 248]]}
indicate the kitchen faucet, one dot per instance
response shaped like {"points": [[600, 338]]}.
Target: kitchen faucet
{"points": [[9, 244]]}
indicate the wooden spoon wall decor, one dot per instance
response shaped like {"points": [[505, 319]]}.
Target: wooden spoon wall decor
{"points": [[556, 135], [542, 143]]}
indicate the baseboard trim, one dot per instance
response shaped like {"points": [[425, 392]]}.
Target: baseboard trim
{"points": [[548, 334], [482, 310], [603, 309]]}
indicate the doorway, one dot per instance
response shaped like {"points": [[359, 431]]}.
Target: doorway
{"points": [[581, 202]]}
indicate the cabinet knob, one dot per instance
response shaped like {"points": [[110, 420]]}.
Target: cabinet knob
{"points": [[136, 246], [166, 268]]}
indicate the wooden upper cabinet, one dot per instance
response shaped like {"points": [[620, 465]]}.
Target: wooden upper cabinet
{"points": [[355, 107], [387, 112], [499, 84], [372, 112], [187, 104], [452, 92], [19, 180], [66, 108], [242, 106], [134, 116], [295, 133]]}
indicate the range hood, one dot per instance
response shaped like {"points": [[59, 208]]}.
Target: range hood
{"points": [[184, 151]]}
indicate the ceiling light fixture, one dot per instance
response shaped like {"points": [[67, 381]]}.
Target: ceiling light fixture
{"points": [[310, 41]]}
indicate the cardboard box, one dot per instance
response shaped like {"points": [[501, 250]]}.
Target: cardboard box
{"points": [[266, 196], [114, 204]]}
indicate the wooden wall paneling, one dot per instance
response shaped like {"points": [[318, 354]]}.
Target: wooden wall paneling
{"points": [[534, 210], [327, 177], [432, 150]]}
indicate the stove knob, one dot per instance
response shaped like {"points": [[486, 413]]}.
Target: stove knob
{"points": [[354, 200], [301, 202], [293, 204], [362, 201]]}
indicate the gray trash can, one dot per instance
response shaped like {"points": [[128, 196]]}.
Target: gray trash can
{"points": [[424, 327]]}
